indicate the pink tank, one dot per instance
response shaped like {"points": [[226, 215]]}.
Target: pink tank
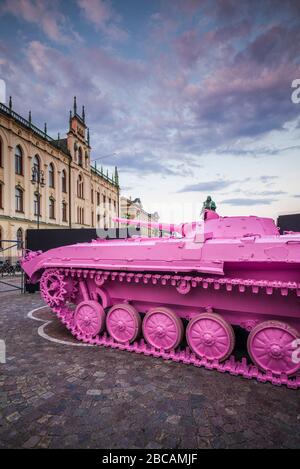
{"points": [[178, 297]]}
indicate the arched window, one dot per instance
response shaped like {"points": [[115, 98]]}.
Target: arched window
{"points": [[19, 199], [36, 162], [86, 159], [92, 194], [64, 181], [80, 187], [18, 160], [80, 156], [1, 195], [51, 208], [36, 167], [51, 175], [37, 204], [19, 238], [64, 211], [1, 153]]}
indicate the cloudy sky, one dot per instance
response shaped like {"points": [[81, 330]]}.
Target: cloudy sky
{"points": [[193, 96]]}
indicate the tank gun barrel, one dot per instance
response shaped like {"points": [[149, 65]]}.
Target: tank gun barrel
{"points": [[170, 227]]}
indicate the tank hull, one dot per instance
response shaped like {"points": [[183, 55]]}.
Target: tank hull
{"points": [[234, 272]]}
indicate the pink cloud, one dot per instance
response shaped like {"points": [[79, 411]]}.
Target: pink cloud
{"points": [[96, 11], [193, 45], [43, 13], [104, 18]]}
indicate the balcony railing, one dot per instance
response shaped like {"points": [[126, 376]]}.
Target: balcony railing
{"points": [[104, 176]]}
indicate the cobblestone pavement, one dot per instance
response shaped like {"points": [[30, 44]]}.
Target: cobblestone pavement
{"points": [[54, 395]]}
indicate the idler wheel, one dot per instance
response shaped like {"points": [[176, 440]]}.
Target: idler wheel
{"points": [[210, 336], [162, 328], [89, 318], [271, 345], [123, 323]]}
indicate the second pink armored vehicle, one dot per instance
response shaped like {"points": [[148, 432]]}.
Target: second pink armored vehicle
{"points": [[148, 294]]}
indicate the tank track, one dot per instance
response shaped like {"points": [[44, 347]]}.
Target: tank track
{"points": [[231, 365]]}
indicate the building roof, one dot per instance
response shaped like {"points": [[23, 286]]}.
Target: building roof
{"points": [[104, 176], [59, 144], [29, 126], [62, 143]]}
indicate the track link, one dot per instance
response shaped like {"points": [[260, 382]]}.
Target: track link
{"points": [[231, 366]]}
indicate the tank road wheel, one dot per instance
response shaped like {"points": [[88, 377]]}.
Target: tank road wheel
{"points": [[89, 318], [53, 287], [162, 328], [210, 336], [123, 323], [270, 345]]}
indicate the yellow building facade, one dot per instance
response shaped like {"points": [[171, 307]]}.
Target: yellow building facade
{"points": [[51, 183], [133, 209]]}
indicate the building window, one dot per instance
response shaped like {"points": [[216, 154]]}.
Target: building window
{"points": [[37, 204], [115, 205], [109, 203], [64, 211], [80, 215], [104, 200], [98, 198], [75, 150], [20, 238], [92, 196], [51, 208], [86, 159], [92, 218], [64, 181], [98, 220], [51, 175], [1, 238], [18, 160], [80, 156], [36, 168], [1, 195], [19, 199], [80, 187], [36, 163], [1, 153]]}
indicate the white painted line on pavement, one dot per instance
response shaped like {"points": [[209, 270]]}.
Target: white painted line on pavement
{"points": [[44, 335]]}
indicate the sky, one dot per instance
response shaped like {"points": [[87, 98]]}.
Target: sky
{"points": [[190, 97]]}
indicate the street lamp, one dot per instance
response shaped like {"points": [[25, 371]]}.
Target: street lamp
{"points": [[37, 178]]}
